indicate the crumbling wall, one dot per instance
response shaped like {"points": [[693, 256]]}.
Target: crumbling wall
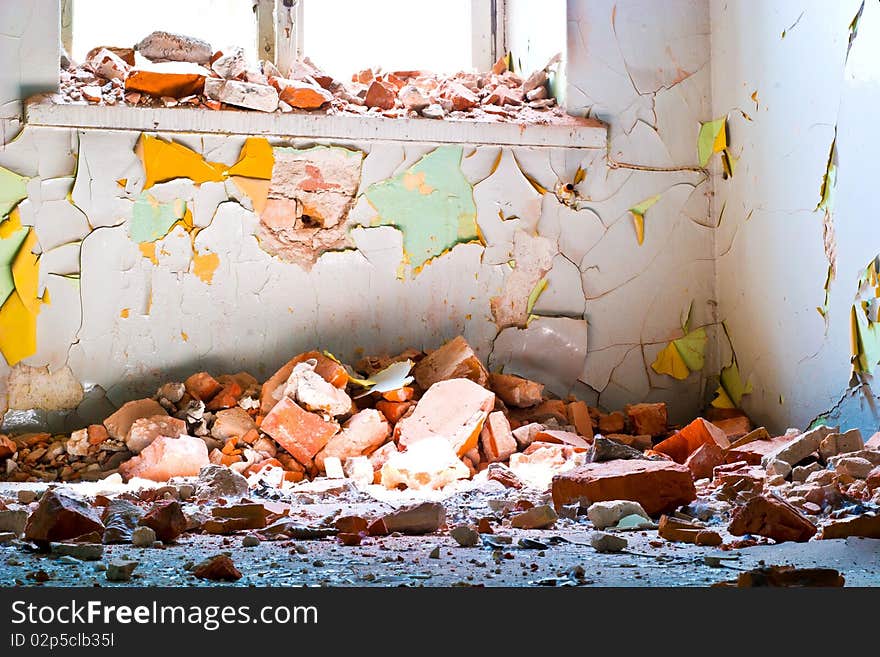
{"points": [[796, 81], [590, 270]]}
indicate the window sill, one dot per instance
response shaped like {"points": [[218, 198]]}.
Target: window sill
{"points": [[579, 133]]}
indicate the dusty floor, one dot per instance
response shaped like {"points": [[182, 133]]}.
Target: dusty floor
{"points": [[566, 560]]}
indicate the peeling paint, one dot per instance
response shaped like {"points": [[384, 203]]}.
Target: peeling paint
{"points": [[433, 215]]}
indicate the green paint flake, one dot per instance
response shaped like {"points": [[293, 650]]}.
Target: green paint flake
{"points": [[712, 139], [732, 389], [536, 292], [9, 247], [12, 190], [151, 220], [692, 349], [431, 203]]}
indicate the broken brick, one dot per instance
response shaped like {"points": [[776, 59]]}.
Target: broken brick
{"points": [[232, 423], [461, 97], [162, 46], [381, 94], [496, 438], [453, 360], [866, 525], [227, 397], [167, 457], [612, 423], [647, 419], [424, 518], [538, 517], [685, 442], [453, 409], [659, 486], [394, 411], [173, 79], [301, 94], [61, 516], [301, 433], [681, 531], [562, 438], [202, 386], [841, 443], [800, 447], [145, 430], [107, 64], [734, 427], [219, 568], [704, 460], [579, 416], [516, 391], [260, 97], [427, 464], [7, 447], [166, 519], [332, 371], [773, 518], [503, 475], [361, 435], [120, 422], [548, 410]]}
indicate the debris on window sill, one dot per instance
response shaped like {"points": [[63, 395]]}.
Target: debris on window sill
{"points": [[166, 70]]}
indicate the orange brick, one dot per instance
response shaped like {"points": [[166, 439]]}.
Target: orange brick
{"points": [[647, 419], [329, 369], [399, 395], [301, 433], [97, 434], [393, 411], [202, 386], [226, 398], [579, 416], [685, 442]]}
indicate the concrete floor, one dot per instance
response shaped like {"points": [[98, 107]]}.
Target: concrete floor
{"points": [[566, 560]]}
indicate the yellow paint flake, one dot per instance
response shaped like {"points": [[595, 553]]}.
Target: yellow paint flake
{"points": [[122, 182], [638, 214], [26, 274], [256, 160], [204, 265], [257, 191], [148, 250], [124, 313], [164, 161], [18, 330], [184, 336]]}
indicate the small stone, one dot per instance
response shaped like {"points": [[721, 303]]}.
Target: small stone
{"points": [[217, 568], [465, 536], [435, 553], [608, 514], [604, 542], [219, 481], [26, 496], [605, 449], [120, 570], [143, 537], [13, 521], [413, 99], [433, 111], [83, 551], [250, 541]]}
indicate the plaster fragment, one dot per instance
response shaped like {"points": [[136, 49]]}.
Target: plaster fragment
{"points": [[551, 350], [38, 388]]}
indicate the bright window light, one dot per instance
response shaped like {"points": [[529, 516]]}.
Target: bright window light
{"points": [[222, 23], [346, 36]]}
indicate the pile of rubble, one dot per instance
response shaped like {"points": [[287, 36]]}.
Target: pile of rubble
{"points": [[169, 70], [433, 422]]}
